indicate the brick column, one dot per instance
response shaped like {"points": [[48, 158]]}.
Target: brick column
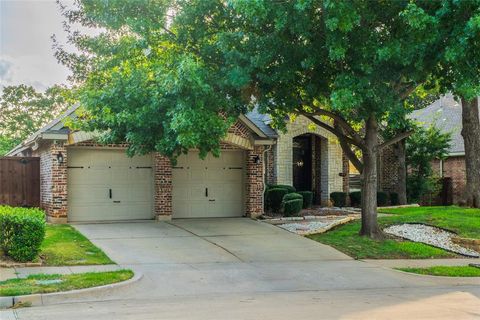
{"points": [[57, 209], [163, 187], [346, 177], [254, 182]]}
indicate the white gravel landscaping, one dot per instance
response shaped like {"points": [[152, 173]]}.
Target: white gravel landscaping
{"points": [[429, 235], [313, 224]]}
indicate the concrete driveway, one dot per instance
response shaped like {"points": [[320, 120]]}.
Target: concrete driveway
{"points": [[239, 268]]}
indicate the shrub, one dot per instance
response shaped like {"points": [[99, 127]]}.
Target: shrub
{"points": [[339, 199], [394, 199], [355, 198], [382, 198], [292, 207], [292, 196], [307, 198], [21, 232], [275, 198], [290, 189]]}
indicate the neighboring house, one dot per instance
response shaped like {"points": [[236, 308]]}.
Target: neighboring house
{"points": [[82, 180], [446, 114]]}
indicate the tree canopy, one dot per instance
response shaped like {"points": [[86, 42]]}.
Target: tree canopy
{"points": [[168, 76], [23, 110]]}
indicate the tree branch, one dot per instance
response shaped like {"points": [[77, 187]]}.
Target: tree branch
{"points": [[341, 122], [357, 163], [336, 132], [399, 137]]}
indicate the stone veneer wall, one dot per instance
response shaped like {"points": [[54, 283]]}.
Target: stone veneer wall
{"points": [[254, 182], [270, 173], [53, 181], [162, 186], [331, 157]]}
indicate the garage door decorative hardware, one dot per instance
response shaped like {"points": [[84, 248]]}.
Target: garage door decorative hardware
{"points": [[110, 193], [74, 167], [143, 167], [235, 168], [206, 192]]}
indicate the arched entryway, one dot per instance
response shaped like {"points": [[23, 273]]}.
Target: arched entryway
{"points": [[310, 165]]}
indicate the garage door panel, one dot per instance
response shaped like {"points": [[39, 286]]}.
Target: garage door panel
{"points": [[233, 159], [88, 188], [197, 192], [91, 194], [140, 174], [222, 176], [76, 158], [179, 174], [180, 192], [92, 212], [197, 174], [121, 175]]}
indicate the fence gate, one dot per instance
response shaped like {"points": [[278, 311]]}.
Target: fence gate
{"points": [[20, 181]]}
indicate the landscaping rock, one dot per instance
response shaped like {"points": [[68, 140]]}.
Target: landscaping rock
{"points": [[315, 225], [430, 235]]}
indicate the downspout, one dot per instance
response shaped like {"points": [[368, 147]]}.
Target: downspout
{"points": [[264, 169]]}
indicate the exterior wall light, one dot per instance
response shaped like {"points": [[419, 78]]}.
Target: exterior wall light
{"points": [[256, 159], [60, 157]]}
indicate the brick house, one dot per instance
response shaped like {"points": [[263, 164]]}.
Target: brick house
{"points": [[82, 180], [446, 114]]}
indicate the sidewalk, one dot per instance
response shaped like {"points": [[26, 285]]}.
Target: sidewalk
{"points": [[421, 263], [9, 273]]}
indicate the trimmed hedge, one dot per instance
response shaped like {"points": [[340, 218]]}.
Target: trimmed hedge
{"points": [[382, 198], [22, 231], [292, 196], [275, 198], [307, 198], [292, 207], [355, 198], [290, 189], [339, 199], [394, 199]]}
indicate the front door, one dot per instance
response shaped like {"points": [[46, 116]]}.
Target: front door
{"points": [[302, 163]]}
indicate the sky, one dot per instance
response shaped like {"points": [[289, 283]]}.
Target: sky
{"points": [[26, 54]]}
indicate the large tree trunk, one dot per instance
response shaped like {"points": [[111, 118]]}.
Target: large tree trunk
{"points": [[471, 138], [369, 181], [400, 152]]}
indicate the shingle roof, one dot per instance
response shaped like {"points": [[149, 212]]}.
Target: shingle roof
{"points": [[446, 114], [262, 121]]}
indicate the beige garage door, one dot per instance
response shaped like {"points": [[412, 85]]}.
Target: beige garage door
{"points": [[208, 188], [108, 185]]}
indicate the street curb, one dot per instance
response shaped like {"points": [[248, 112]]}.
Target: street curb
{"points": [[49, 298]]}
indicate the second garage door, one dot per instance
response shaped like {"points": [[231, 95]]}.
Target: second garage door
{"points": [[108, 185], [208, 188]]}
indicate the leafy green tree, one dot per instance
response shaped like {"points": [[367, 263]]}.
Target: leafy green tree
{"points": [[173, 75], [459, 72], [423, 147], [23, 111]]}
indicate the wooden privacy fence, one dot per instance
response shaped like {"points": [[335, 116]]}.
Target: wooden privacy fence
{"points": [[20, 181]]}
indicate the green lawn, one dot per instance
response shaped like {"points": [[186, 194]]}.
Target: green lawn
{"points": [[65, 246], [466, 222], [42, 283], [458, 271]]}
